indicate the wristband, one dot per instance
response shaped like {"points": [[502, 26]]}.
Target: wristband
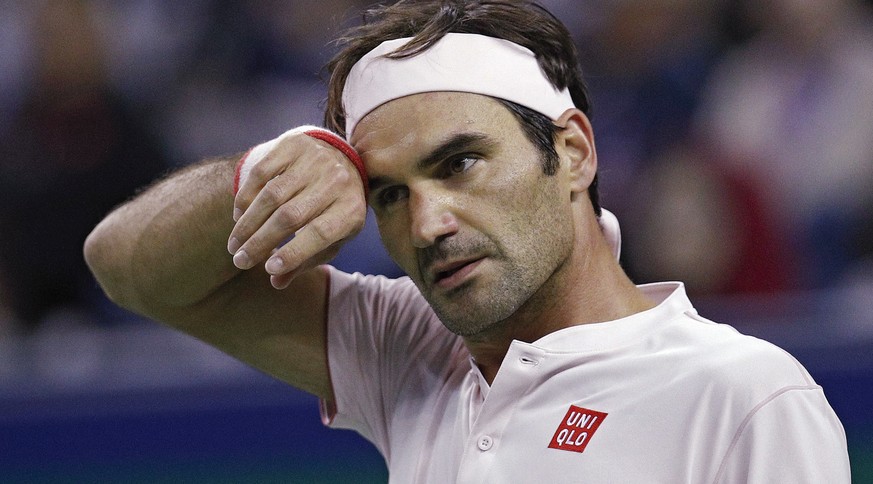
{"points": [[256, 154]]}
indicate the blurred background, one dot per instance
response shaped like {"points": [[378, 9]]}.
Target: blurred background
{"points": [[735, 142]]}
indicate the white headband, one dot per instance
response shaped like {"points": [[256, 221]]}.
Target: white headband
{"points": [[457, 62]]}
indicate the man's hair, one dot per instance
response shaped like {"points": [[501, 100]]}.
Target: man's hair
{"points": [[427, 21]]}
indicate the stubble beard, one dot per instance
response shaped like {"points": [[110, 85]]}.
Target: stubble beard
{"points": [[512, 285], [473, 306], [472, 309]]}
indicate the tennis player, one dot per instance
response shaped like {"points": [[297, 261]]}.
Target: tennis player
{"points": [[516, 350]]}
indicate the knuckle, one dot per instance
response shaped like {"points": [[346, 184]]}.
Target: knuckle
{"points": [[358, 223], [334, 173], [272, 193], [325, 228], [356, 215], [293, 254], [359, 208], [259, 171], [291, 215], [242, 229], [286, 141], [354, 208], [339, 175], [243, 200], [254, 247], [312, 149]]}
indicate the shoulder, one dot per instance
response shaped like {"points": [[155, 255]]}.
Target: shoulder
{"points": [[783, 428], [675, 334], [737, 364], [374, 295], [374, 286], [391, 311]]}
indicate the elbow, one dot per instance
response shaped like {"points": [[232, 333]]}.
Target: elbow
{"points": [[95, 254], [105, 259]]}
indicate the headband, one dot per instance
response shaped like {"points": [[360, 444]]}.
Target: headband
{"points": [[457, 62]]}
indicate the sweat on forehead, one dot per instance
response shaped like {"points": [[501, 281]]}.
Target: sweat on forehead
{"points": [[457, 62]]}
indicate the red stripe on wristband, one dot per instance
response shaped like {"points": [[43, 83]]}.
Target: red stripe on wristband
{"points": [[238, 171], [340, 144], [320, 134]]}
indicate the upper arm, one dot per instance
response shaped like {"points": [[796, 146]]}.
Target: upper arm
{"points": [[281, 332], [793, 436], [163, 255]]}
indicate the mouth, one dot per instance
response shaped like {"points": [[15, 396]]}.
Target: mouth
{"points": [[450, 275]]}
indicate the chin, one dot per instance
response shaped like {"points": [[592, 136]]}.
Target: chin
{"points": [[472, 319]]}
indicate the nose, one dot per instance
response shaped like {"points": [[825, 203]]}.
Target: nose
{"points": [[431, 218]]}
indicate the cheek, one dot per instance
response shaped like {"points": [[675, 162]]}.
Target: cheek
{"points": [[541, 216]]}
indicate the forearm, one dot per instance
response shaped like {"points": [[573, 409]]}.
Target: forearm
{"points": [[165, 254], [167, 247]]}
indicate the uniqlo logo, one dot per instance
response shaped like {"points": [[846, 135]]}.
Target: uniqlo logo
{"points": [[577, 429]]}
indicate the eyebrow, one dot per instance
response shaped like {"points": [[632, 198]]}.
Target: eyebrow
{"points": [[453, 144]]}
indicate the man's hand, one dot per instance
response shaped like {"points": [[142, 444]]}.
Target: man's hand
{"points": [[303, 188]]}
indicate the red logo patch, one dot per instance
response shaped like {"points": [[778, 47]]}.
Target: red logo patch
{"points": [[577, 429]]}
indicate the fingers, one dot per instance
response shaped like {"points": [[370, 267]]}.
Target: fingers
{"points": [[266, 162], [317, 215], [271, 218], [281, 281], [316, 238], [316, 243], [302, 189]]}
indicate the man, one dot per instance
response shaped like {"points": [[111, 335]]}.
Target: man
{"points": [[517, 350]]}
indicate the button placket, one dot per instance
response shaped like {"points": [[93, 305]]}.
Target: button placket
{"points": [[516, 376], [528, 360]]}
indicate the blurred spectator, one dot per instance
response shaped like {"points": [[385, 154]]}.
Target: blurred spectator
{"points": [[686, 214], [700, 221], [646, 62], [792, 108], [253, 74], [72, 151], [148, 43], [14, 53]]}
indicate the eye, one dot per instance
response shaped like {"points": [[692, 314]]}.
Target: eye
{"points": [[460, 164], [391, 195]]}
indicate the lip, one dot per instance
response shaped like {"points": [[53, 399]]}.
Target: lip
{"points": [[452, 274]]}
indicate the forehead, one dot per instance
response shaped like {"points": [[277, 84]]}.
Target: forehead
{"points": [[415, 124]]}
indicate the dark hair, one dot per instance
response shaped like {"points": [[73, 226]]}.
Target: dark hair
{"points": [[426, 21]]}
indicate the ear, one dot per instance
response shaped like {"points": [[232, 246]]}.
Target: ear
{"points": [[575, 146]]}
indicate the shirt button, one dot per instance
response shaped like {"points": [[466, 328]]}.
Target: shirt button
{"points": [[485, 442]]}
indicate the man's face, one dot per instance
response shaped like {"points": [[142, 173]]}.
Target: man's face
{"points": [[463, 205]]}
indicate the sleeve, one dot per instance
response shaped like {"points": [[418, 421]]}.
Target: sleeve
{"points": [[793, 436], [381, 334]]}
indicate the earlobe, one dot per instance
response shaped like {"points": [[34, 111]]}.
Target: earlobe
{"points": [[575, 146]]}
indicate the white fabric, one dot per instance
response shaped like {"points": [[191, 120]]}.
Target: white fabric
{"points": [[611, 230], [687, 400], [457, 62]]}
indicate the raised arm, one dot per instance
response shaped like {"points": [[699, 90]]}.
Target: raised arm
{"points": [[165, 255]]}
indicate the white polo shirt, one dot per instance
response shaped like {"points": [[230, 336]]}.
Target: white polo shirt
{"points": [[660, 396]]}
